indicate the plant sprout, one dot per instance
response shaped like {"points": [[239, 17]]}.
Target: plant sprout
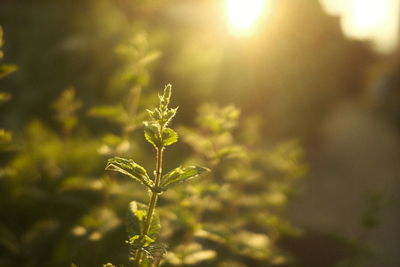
{"points": [[143, 224]]}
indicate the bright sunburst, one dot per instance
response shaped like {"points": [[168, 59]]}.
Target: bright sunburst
{"points": [[244, 14]]}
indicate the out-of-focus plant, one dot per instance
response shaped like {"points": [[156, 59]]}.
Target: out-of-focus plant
{"points": [[232, 217], [5, 69], [362, 251], [47, 189], [130, 79], [143, 223], [60, 201], [66, 107]]}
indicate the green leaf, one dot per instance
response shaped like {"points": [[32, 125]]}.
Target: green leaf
{"points": [[169, 137], [168, 115], [130, 168], [180, 175], [7, 69], [140, 241], [135, 224], [116, 114], [152, 133]]}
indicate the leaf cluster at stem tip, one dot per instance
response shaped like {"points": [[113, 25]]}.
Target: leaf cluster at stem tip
{"points": [[159, 135], [156, 131]]}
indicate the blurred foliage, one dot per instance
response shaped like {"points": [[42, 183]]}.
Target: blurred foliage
{"points": [[5, 69], [364, 252], [234, 213], [86, 72]]}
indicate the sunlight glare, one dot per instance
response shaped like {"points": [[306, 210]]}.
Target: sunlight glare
{"points": [[367, 16], [244, 14], [376, 20]]}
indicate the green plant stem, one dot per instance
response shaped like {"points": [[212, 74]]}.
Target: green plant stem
{"points": [[153, 200]]}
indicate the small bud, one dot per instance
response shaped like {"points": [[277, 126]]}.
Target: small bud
{"points": [[167, 92]]}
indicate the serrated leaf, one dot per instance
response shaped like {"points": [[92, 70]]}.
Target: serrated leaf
{"points": [[169, 114], [135, 224], [169, 137], [152, 133], [7, 69], [130, 168], [179, 175]]}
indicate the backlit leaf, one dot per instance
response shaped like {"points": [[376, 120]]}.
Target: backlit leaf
{"points": [[179, 175], [152, 133], [135, 222], [130, 168], [169, 137]]}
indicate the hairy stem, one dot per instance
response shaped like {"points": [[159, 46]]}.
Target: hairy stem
{"points": [[153, 200]]}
